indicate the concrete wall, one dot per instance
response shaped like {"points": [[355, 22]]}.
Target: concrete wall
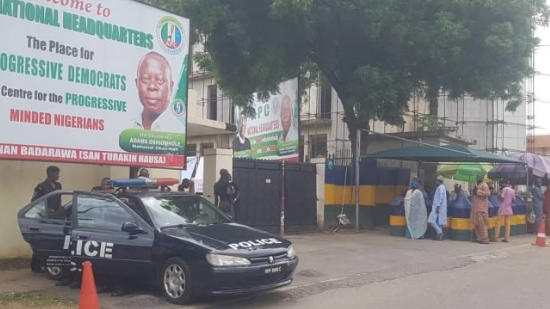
{"points": [[320, 167], [199, 140], [215, 159], [378, 187], [20, 178]]}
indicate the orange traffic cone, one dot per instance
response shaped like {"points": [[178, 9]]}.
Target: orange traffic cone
{"points": [[88, 293], [541, 236]]}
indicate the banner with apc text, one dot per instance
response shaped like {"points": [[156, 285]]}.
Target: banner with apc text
{"points": [[91, 81], [272, 133]]}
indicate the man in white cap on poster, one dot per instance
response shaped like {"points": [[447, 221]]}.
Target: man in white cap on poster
{"points": [[155, 86], [438, 216]]}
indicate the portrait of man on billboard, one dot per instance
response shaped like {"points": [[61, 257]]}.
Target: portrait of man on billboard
{"points": [[241, 142], [155, 88], [289, 132]]}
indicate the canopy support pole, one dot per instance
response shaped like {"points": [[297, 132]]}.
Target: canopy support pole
{"points": [[527, 184], [357, 170]]}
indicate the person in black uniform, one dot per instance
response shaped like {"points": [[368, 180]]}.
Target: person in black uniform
{"points": [[104, 186], [43, 188], [222, 199], [49, 185], [53, 205], [225, 193], [143, 173]]}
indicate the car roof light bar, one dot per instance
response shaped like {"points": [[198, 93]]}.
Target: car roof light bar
{"points": [[143, 182]]}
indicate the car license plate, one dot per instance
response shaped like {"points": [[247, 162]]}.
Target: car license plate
{"points": [[273, 270]]}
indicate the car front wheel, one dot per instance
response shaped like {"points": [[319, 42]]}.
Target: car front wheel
{"points": [[176, 281]]}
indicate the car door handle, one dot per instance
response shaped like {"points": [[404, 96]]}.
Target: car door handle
{"points": [[34, 229], [82, 237]]}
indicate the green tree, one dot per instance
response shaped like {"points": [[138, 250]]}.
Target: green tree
{"points": [[375, 53]]}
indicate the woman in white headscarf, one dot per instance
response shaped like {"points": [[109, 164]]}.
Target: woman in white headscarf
{"points": [[415, 212]]}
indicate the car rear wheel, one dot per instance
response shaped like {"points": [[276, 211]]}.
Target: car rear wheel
{"points": [[176, 281], [57, 273]]}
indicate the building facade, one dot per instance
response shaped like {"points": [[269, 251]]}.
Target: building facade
{"points": [[483, 124], [542, 145]]}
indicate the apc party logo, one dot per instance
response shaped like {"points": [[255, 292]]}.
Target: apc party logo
{"points": [[170, 35], [178, 107]]}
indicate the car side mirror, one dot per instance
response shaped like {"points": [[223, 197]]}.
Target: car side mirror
{"points": [[132, 228]]}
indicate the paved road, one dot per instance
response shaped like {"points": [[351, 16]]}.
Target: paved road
{"points": [[506, 280], [373, 270]]}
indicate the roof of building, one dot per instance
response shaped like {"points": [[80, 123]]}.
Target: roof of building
{"points": [[542, 141]]}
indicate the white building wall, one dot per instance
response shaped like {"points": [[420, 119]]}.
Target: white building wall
{"points": [[515, 134], [471, 119], [485, 123], [200, 85]]}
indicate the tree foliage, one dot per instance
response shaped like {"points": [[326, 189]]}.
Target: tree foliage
{"points": [[375, 53]]}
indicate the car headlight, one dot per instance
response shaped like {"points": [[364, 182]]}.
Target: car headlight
{"points": [[226, 260], [290, 253]]}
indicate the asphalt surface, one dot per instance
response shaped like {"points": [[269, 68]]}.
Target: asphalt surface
{"points": [[372, 270], [508, 280]]}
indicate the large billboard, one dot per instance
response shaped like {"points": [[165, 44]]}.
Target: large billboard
{"points": [[93, 81], [273, 132]]}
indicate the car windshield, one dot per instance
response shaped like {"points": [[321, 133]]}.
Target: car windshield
{"points": [[169, 211]]}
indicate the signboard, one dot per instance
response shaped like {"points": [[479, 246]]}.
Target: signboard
{"points": [[93, 81], [272, 133]]}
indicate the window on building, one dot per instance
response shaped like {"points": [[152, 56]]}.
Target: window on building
{"points": [[326, 99], [206, 146], [232, 113], [191, 150], [318, 146], [224, 141], [213, 102]]}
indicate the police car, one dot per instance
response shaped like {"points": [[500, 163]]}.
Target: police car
{"points": [[179, 241]]}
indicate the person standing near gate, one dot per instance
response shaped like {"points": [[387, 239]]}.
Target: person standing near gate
{"points": [[224, 193], [438, 216], [479, 214], [537, 202], [505, 213]]}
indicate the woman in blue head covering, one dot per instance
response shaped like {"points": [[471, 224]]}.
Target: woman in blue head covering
{"points": [[415, 212]]}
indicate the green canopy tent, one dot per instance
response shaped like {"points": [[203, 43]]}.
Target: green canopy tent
{"points": [[466, 172], [437, 154]]}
